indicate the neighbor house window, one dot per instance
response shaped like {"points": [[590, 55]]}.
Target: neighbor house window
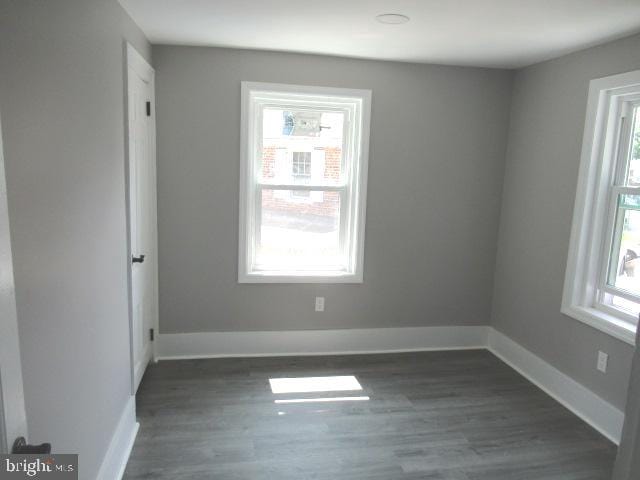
{"points": [[301, 166], [301, 169], [602, 285], [303, 183]]}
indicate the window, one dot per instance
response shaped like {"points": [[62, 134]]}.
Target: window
{"points": [[602, 284], [303, 183], [301, 166]]}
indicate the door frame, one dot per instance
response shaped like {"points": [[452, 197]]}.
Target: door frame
{"points": [[628, 458], [136, 61], [13, 418]]}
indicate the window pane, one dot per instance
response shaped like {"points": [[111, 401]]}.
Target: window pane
{"points": [[299, 230], [624, 265], [302, 147], [633, 308], [633, 170]]}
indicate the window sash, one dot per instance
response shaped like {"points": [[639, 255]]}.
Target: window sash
{"points": [[348, 157], [610, 309], [615, 216], [624, 140], [355, 108], [344, 229], [343, 187], [296, 186]]}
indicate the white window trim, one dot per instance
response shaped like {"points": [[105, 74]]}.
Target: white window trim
{"points": [[359, 183], [591, 211]]}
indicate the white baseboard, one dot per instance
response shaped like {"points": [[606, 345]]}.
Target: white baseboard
{"points": [[318, 342], [115, 460], [594, 410]]}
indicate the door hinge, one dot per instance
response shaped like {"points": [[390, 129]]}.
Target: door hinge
{"points": [[151, 334], [148, 109]]}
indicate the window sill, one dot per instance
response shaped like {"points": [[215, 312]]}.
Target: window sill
{"points": [[326, 278], [604, 322]]}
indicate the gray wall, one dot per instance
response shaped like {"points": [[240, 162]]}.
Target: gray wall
{"points": [[61, 98], [545, 139], [435, 176]]}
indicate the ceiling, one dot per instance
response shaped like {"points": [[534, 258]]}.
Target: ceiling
{"points": [[490, 33]]}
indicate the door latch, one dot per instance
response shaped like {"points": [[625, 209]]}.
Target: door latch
{"points": [[139, 259]]}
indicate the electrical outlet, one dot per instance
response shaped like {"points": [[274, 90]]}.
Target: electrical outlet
{"points": [[319, 304], [603, 358]]}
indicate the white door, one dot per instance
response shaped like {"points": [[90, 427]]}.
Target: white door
{"points": [[13, 420], [142, 211]]}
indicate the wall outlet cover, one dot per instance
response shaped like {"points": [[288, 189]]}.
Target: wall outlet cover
{"points": [[603, 359]]}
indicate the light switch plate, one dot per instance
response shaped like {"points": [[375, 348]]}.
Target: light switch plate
{"points": [[319, 304]]}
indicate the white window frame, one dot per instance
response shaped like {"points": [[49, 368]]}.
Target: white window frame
{"points": [[595, 208], [353, 190]]}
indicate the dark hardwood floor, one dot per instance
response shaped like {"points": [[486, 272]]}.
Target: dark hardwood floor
{"points": [[458, 415]]}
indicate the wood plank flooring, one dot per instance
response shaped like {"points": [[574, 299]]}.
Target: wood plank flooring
{"points": [[459, 415]]}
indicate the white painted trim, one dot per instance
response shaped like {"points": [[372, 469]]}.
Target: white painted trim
{"points": [[594, 410], [136, 61], [319, 342], [587, 247], [603, 321], [358, 103], [117, 456]]}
